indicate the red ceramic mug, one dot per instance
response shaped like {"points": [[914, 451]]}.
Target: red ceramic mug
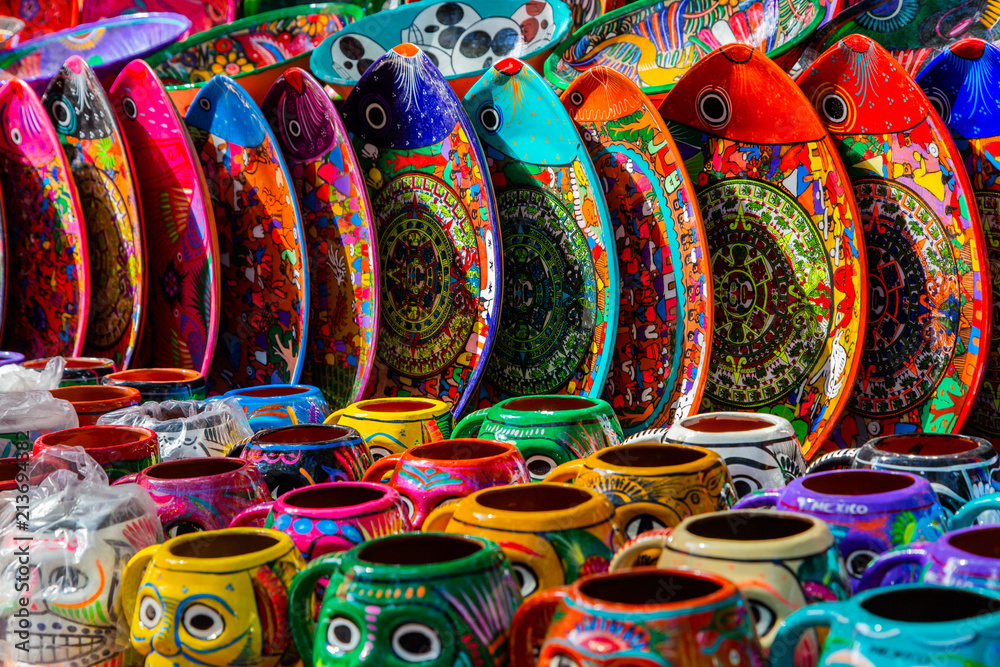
{"points": [[161, 384], [92, 401], [120, 450], [8, 474]]}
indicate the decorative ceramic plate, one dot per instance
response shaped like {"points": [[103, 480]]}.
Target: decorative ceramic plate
{"points": [[437, 230], [660, 363], [264, 316], [929, 298], [788, 263], [560, 293], [337, 219], [203, 14], [254, 51], [654, 42], [41, 18], [108, 45], [183, 247], [98, 159], [462, 39], [46, 310], [955, 83]]}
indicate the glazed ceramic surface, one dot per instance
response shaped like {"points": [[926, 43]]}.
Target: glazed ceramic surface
{"points": [[272, 406], [203, 14], [178, 222], [264, 314], [660, 363], [929, 298], [561, 291], [787, 259], [41, 19], [393, 425], [456, 599], [10, 31], [650, 618], [119, 450], [100, 166], [548, 430], [218, 599], [91, 402], [78, 370], [437, 230], [653, 486], [45, 232], [337, 220], [106, 45], [160, 384]]}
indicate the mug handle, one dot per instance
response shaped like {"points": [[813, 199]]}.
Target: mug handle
{"points": [[236, 451], [334, 417], [470, 425], [437, 520], [251, 515], [761, 500], [971, 510], [875, 573], [838, 460], [300, 597], [536, 611], [126, 479], [384, 465], [565, 472], [824, 614], [627, 556], [132, 576]]}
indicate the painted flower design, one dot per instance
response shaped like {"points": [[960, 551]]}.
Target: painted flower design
{"points": [[231, 64], [903, 528], [316, 25]]}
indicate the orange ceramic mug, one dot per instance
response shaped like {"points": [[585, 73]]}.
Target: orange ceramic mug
{"points": [[92, 401]]}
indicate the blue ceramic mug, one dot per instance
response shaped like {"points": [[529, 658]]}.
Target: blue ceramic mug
{"points": [[275, 405]]}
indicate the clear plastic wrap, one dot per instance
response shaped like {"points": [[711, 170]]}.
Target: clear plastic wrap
{"points": [[188, 429], [26, 415], [65, 536], [16, 378]]}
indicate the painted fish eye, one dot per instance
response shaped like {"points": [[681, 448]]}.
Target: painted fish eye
{"points": [[15, 136], [713, 108], [576, 98], [834, 107], [539, 466], [205, 104], [490, 118], [294, 128], [202, 622], [62, 114], [150, 612], [129, 108], [763, 617], [376, 116], [416, 642], [642, 524], [526, 578], [940, 103], [342, 636]]}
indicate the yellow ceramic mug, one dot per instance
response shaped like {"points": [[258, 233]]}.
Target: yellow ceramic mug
{"points": [[653, 485], [552, 534], [393, 425]]}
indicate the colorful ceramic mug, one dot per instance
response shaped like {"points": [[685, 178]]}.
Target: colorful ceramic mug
{"points": [[24, 416], [553, 534], [549, 430], [641, 618], [653, 485], [331, 517], [290, 457], [161, 384], [435, 600], [393, 425], [900, 627], [780, 561], [276, 405], [8, 357], [78, 370], [9, 470], [120, 450], [218, 598], [761, 450], [200, 494], [90, 402], [430, 475]]}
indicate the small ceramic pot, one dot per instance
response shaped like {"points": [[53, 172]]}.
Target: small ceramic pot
{"points": [[642, 618], [24, 416], [761, 450], [119, 450], [899, 627], [291, 457], [549, 430], [91, 402], [331, 517], [552, 534], [161, 384], [959, 467], [427, 599], [78, 370], [9, 469], [217, 598], [275, 405], [7, 358], [427, 476], [393, 425], [653, 485]]}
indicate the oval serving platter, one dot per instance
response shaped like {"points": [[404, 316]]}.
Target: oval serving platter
{"points": [[664, 330], [98, 157], [560, 293], [788, 261], [264, 273], [436, 225], [929, 302], [178, 222], [203, 14], [45, 233], [337, 220]]}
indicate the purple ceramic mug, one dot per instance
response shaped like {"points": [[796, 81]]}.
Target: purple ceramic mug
{"points": [[335, 516]]}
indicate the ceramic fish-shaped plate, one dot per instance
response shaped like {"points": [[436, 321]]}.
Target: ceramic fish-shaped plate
{"points": [[178, 221], [46, 309], [929, 297], [203, 14], [337, 220], [264, 272], [787, 256], [955, 84], [560, 295], [437, 229], [99, 162], [664, 330]]}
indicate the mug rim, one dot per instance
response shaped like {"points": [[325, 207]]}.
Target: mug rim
{"points": [[775, 426], [165, 558], [413, 455], [588, 408], [170, 376], [114, 396], [593, 511], [78, 364], [726, 590], [860, 600], [144, 439], [891, 460], [815, 538], [706, 459], [363, 409], [338, 436], [388, 497], [286, 391], [956, 551], [238, 465]]}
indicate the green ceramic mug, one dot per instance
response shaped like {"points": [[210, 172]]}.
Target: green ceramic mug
{"points": [[547, 430]]}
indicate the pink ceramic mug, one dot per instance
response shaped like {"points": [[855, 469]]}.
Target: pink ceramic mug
{"points": [[330, 517]]}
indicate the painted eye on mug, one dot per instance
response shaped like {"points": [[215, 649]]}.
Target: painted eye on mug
{"points": [[150, 612], [526, 578], [563, 661], [642, 524], [763, 617], [411, 510], [343, 635], [539, 466], [181, 528], [416, 642], [67, 579], [202, 622], [858, 562], [379, 453]]}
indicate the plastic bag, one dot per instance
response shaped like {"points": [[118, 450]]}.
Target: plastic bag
{"points": [[65, 536], [25, 416], [187, 429], [15, 378]]}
